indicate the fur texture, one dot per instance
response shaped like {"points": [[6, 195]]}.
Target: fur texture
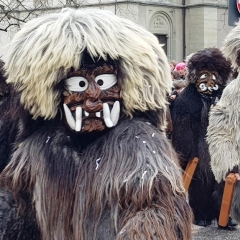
{"points": [[223, 139], [52, 44], [113, 198], [121, 183], [190, 122], [4, 89], [11, 225], [8, 124], [224, 119], [223, 129]]}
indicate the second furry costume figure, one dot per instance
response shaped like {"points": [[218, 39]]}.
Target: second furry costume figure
{"points": [[91, 160], [208, 72], [223, 133]]}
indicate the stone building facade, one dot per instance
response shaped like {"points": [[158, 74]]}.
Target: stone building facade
{"points": [[186, 26], [183, 26]]}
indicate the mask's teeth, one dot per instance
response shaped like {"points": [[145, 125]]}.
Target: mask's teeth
{"points": [[106, 115], [86, 113], [78, 119], [115, 113], [70, 120], [98, 114], [215, 87]]}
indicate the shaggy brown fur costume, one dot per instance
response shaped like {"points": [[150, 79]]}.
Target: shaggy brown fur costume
{"points": [[123, 182], [190, 121]]}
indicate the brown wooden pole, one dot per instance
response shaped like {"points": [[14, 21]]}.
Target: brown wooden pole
{"points": [[227, 200], [189, 171]]}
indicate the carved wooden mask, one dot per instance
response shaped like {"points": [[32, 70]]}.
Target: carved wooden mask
{"points": [[92, 98]]}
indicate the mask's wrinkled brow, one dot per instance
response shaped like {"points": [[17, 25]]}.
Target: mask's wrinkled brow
{"points": [[104, 69]]}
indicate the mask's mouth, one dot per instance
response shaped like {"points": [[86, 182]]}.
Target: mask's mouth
{"points": [[110, 115], [204, 89]]}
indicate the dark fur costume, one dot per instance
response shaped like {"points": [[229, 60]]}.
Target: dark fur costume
{"points": [[120, 183], [6, 134], [26, 224], [123, 202], [190, 121]]}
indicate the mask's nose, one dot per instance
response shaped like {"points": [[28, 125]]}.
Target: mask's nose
{"points": [[93, 103], [93, 91], [211, 83]]}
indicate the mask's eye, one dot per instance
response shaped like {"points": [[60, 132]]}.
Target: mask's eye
{"points": [[105, 81], [203, 76], [213, 77], [202, 86], [77, 84]]}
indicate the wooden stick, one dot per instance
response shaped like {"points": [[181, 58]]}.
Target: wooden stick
{"points": [[189, 171], [227, 200]]}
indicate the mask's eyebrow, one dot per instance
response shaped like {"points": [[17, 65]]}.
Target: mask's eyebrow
{"points": [[105, 68], [82, 72]]}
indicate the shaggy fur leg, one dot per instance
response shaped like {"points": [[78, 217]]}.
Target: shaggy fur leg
{"points": [[200, 199], [78, 197]]}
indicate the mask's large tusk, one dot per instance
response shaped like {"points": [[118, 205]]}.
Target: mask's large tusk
{"points": [[210, 89], [78, 119], [115, 113], [70, 120], [215, 87], [106, 115]]}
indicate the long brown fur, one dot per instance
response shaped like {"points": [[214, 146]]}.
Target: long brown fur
{"points": [[190, 121], [132, 193]]}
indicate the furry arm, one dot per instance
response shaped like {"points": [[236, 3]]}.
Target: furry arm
{"points": [[183, 137], [186, 124], [223, 133]]}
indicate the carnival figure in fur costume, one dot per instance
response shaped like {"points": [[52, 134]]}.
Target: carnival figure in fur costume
{"points": [[91, 159], [208, 72], [223, 134]]}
